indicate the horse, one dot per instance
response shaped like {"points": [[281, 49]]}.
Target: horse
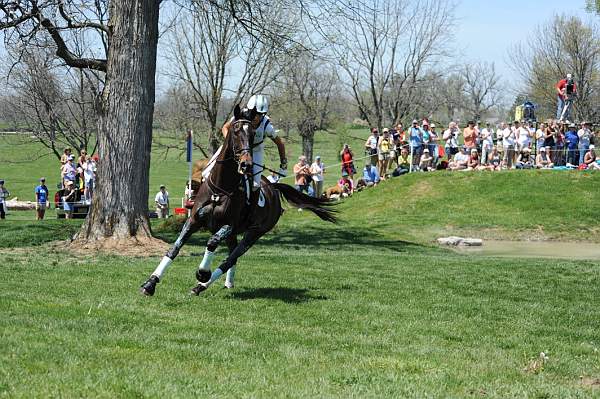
{"points": [[226, 206]]}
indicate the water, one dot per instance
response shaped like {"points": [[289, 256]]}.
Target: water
{"points": [[535, 249]]}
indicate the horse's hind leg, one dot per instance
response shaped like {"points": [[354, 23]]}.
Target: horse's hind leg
{"points": [[203, 273], [232, 243], [248, 241]]}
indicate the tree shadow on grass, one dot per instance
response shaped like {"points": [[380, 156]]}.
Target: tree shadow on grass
{"points": [[284, 294]]}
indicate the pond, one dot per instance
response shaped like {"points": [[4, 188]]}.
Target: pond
{"points": [[535, 249]]}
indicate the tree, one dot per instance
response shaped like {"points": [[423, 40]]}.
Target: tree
{"points": [[562, 45], [57, 105], [386, 55], [480, 88], [129, 38], [307, 87]]}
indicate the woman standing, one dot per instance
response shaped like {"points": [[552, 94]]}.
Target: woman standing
{"points": [[348, 161], [384, 146], [317, 169]]}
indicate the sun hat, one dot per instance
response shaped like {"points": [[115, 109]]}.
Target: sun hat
{"points": [[386, 130], [425, 150], [543, 149], [592, 146], [42, 179], [162, 186], [415, 121], [70, 158], [318, 157], [432, 125], [473, 149]]}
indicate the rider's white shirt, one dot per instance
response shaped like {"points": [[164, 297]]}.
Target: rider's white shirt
{"points": [[265, 128]]}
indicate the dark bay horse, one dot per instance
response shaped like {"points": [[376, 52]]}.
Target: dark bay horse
{"points": [[226, 206]]}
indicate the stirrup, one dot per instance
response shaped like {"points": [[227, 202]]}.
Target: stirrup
{"points": [[261, 199]]}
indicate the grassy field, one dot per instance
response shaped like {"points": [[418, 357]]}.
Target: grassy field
{"points": [[365, 308]]}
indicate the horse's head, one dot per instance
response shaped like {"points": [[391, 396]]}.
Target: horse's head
{"points": [[241, 136]]}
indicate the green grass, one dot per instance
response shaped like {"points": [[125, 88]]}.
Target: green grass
{"points": [[366, 308]]}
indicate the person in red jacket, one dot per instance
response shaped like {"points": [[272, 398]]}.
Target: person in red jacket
{"points": [[566, 90]]}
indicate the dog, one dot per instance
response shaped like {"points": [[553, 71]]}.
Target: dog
{"points": [[336, 192]]}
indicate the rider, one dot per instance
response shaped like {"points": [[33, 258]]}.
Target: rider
{"points": [[566, 90], [263, 127]]}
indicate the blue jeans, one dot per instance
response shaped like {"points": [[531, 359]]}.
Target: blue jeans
{"points": [[304, 187], [559, 107], [582, 150], [573, 156]]}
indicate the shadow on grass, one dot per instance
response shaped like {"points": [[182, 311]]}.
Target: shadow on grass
{"points": [[305, 236], [284, 294]]}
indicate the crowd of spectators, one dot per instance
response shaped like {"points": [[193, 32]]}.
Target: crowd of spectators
{"points": [[421, 148]]}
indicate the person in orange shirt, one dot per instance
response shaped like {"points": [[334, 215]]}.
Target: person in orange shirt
{"points": [[470, 135]]}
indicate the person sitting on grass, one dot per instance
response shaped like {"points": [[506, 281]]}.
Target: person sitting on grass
{"points": [[460, 160], [370, 175], [403, 163], [347, 182], [525, 160], [473, 162], [494, 159], [590, 158], [426, 161], [542, 161]]}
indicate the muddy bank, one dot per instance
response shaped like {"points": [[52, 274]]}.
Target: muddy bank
{"points": [[535, 249]]}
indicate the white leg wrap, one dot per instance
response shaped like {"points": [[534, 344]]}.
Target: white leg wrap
{"points": [[206, 260], [162, 267], [214, 277], [229, 277]]}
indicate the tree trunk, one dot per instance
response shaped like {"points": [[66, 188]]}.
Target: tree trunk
{"points": [[120, 203], [308, 141]]}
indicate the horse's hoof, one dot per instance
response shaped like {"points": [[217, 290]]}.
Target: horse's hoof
{"points": [[197, 289], [203, 275], [149, 286]]}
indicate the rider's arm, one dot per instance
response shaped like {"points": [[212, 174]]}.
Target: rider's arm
{"points": [[281, 150]]}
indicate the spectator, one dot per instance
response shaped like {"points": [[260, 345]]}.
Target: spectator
{"points": [[370, 175], [66, 154], [82, 157], [523, 137], [403, 163], [162, 202], [302, 174], [68, 171], [41, 199], [590, 158], [585, 136], [473, 162], [433, 146], [399, 140], [416, 142], [572, 141], [348, 161], [525, 160], [4, 194], [494, 159], [559, 147], [487, 143], [317, 169], [450, 136], [540, 137], [565, 89], [425, 164], [460, 160], [371, 145], [89, 178], [69, 198], [543, 160], [384, 147], [508, 142], [345, 181], [470, 135]]}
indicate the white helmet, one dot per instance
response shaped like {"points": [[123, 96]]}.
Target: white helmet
{"points": [[260, 102]]}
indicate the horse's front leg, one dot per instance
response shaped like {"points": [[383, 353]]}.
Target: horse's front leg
{"points": [[203, 273], [232, 243], [248, 241], [191, 225]]}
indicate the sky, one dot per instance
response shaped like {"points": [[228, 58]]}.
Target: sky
{"points": [[487, 29]]}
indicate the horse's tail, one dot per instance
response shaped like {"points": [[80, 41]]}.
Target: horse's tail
{"points": [[318, 206]]}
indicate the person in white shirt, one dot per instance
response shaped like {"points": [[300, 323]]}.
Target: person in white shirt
{"points": [[487, 143], [317, 169], [162, 202], [460, 160], [585, 135], [508, 142], [540, 137], [450, 136], [523, 136]]}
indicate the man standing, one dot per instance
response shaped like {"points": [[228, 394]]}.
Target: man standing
{"points": [[162, 202], [4, 194], [371, 145], [416, 143], [470, 136], [487, 143], [585, 136], [41, 199], [316, 170], [302, 174], [450, 136], [508, 142], [566, 90]]}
